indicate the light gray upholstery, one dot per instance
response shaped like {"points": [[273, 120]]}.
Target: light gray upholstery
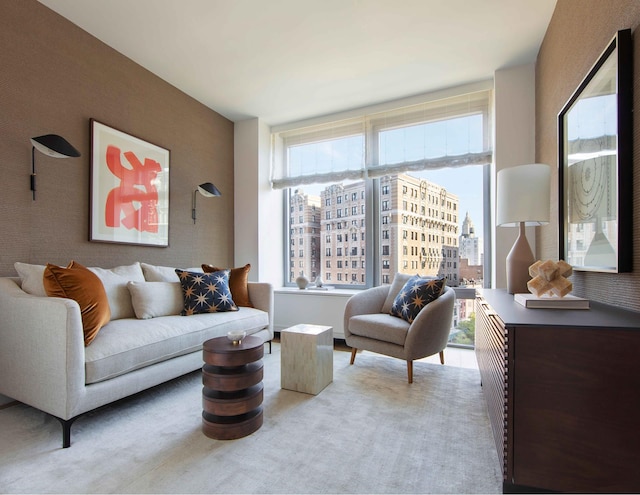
{"points": [[120, 347], [368, 326], [44, 363]]}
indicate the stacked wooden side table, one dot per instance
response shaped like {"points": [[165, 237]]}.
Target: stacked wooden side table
{"points": [[233, 391]]}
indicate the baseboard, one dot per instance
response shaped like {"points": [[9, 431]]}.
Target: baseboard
{"points": [[6, 401]]}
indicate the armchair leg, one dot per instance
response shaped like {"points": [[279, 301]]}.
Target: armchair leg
{"points": [[353, 354], [441, 357], [410, 371]]}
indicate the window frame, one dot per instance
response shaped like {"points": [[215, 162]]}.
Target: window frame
{"points": [[376, 219]]}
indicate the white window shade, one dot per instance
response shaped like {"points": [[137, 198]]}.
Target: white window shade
{"points": [[326, 153], [448, 132], [451, 132]]}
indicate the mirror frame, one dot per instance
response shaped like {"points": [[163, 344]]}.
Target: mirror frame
{"points": [[600, 184]]}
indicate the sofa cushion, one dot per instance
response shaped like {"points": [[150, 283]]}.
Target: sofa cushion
{"points": [[83, 286], [205, 292], [415, 295], [398, 282], [154, 299], [129, 344], [155, 273], [115, 282], [238, 280], [380, 326], [31, 278]]}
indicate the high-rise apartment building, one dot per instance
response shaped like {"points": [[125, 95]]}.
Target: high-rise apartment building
{"points": [[418, 231], [470, 245], [343, 234], [304, 235]]}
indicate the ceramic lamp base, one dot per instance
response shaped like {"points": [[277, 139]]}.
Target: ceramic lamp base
{"points": [[519, 259]]}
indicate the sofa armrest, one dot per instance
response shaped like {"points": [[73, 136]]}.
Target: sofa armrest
{"points": [[261, 296], [369, 301], [41, 349]]}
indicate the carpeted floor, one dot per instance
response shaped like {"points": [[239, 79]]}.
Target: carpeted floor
{"points": [[367, 432]]}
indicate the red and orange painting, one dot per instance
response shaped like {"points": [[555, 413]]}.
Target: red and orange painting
{"points": [[129, 189]]}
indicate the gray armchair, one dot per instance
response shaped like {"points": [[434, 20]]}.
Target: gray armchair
{"points": [[369, 326]]}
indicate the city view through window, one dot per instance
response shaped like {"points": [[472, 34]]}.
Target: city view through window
{"points": [[428, 223], [398, 190]]}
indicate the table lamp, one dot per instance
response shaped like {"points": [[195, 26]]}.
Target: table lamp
{"points": [[522, 200]]}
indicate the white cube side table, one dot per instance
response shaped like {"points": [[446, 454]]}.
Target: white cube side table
{"points": [[306, 358]]}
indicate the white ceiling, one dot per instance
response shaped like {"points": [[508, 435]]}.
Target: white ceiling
{"points": [[287, 60]]}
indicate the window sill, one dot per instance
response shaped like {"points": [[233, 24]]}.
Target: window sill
{"points": [[316, 292]]}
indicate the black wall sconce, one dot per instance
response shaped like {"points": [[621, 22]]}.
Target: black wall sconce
{"points": [[51, 145], [208, 190]]}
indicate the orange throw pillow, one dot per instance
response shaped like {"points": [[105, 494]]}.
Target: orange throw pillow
{"points": [[237, 283], [83, 286]]}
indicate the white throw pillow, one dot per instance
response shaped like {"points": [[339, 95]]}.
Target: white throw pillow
{"points": [[152, 299], [31, 278], [115, 285], [155, 273]]}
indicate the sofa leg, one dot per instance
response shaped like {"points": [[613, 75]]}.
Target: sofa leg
{"points": [[353, 354], [441, 357], [269, 347], [410, 371], [66, 431]]}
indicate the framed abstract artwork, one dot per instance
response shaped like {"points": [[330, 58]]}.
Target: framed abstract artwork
{"points": [[595, 165], [129, 189]]}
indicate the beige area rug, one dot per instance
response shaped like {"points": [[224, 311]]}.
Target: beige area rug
{"points": [[367, 432]]}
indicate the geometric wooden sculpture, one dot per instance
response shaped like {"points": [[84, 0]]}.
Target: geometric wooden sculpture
{"points": [[548, 277]]}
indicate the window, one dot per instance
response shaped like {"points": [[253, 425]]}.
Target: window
{"points": [[398, 177]]}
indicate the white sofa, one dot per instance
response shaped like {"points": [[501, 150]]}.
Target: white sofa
{"points": [[45, 364]]}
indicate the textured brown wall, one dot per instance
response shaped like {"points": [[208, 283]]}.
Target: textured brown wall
{"points": [[54, 77], [578, 33]]}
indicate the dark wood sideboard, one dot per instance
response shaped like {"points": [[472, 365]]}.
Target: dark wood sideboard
{"points": [[563, 394]]}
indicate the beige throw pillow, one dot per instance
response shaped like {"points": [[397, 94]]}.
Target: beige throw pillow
{"points": [[31, 278], [115, 282], [153, 299], [155, 273]]}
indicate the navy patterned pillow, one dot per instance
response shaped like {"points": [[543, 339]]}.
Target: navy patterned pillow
{"points": [[205, 292], [415, 295]]}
